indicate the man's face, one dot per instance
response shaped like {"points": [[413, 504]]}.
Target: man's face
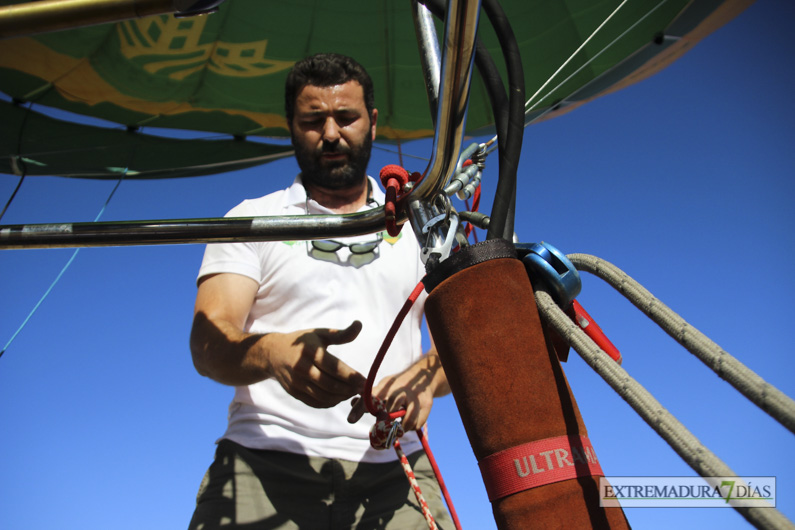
{"points": [[332, 134]]}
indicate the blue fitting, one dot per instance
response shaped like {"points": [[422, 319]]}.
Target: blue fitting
{"points": [[546, 264]]}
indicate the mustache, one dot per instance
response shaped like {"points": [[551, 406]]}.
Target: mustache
{"points": [[334, 148]]}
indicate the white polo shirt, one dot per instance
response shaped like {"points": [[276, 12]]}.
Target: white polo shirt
{"points": [[300, 288]]}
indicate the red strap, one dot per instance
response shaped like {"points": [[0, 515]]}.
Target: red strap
{"points": [[581, 317], [537, 464]]}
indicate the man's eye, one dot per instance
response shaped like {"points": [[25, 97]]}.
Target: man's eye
{"points": [[345, 120]]}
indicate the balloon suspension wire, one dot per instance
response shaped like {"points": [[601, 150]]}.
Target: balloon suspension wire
{"points": [[530, 105], [18, 161], [400, 154], [14, 193], [63, 269], [576, 52]]}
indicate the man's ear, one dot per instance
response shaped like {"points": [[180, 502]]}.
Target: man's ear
{"points": [[373, 120]]}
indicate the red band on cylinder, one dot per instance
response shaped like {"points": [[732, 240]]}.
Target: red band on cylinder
{"points": [[537, 464]]}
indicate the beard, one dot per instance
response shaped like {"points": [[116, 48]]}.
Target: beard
{"points": [[333, 175]]}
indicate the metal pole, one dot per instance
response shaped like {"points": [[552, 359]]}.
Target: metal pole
{"points": [[457, 63], [458, 56], [54, 15], [457, 60], [430, 56], [183, 231]]}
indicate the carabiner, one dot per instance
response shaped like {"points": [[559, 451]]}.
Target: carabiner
{"points": [[395, 432]]}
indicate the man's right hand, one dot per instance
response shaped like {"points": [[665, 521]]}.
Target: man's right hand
{"points": [[301, 363]]}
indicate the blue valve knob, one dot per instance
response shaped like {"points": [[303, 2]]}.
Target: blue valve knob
{"points": [[546, 264]]}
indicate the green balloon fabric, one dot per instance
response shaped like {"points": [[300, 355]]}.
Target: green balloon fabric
{"points": [[224, 73]]}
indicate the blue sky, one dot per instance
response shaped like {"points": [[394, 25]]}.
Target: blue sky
{"points": [[684, 181]]}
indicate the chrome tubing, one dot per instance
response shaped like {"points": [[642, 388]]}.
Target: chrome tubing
{"points": [[458, 55], [44, 16], [456, 72], [457, 64], [188, 231], [430, 56]]}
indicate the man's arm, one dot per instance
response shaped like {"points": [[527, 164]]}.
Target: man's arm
{"points": [[412, 389], [299, 360]]}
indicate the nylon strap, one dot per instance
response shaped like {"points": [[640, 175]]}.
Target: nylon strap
{"points": [[537, 464], [468, 257]]}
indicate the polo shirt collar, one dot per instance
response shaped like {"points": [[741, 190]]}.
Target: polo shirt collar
{"points": [[296, 194]]}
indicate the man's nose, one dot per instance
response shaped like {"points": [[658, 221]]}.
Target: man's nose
{"points": [[331, 130]]}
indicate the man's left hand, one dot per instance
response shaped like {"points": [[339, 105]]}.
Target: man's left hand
{"points": [[412, 390]]}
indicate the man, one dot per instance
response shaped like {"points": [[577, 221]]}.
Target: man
{"points": [[293, 326]]}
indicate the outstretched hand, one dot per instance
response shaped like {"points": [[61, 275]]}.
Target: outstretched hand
{"points": [[301, 363]]}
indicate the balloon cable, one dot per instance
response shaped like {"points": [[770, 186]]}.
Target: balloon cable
{"points": [[18, 161], [14, 194], [63, 270]]}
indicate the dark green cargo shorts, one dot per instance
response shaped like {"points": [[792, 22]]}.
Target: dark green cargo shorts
{"points": [[246, 488]]}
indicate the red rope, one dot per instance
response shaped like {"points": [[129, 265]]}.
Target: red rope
{"points": [[367, 395], [381, 415], [415, 486], [439, 478]]}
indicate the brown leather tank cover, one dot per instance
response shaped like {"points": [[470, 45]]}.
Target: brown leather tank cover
{"points": [[510, 389]]}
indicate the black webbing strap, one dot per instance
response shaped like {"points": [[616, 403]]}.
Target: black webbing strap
{"points": [[467, 257]]}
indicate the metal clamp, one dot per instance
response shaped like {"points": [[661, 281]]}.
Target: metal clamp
{"points": [[438, 241], [546, 264], [443, 250], [395, 432]]}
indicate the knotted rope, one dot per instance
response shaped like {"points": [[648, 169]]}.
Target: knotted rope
{"points": [[388, 427], [686, 445]]}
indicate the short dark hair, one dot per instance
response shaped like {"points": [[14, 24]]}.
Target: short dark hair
{"points": [[323, 70]]}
